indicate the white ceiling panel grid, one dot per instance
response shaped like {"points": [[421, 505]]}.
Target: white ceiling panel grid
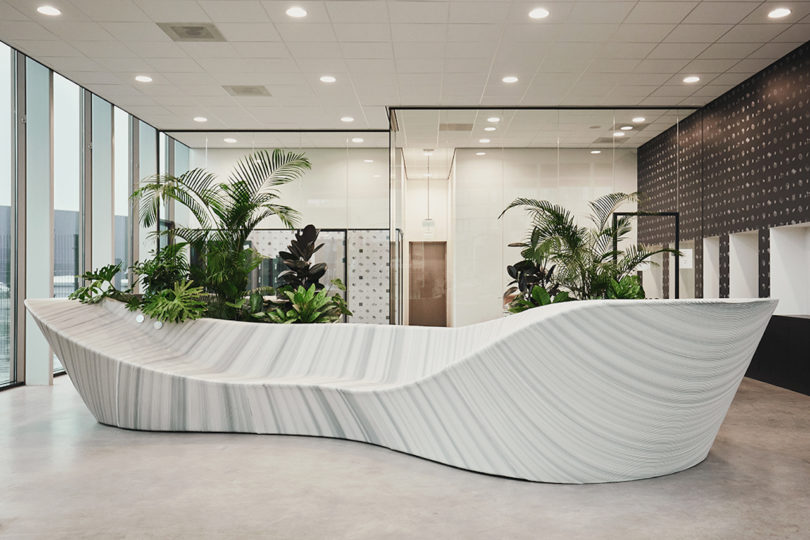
{"points": [[394, 52]]}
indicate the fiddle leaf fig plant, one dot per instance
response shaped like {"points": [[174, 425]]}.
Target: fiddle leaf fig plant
{"points": [[300, 271]]}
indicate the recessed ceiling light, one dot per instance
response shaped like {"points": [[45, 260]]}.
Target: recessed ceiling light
{"points": [[778, 13], [596, 151], [229, 140], [296, 12], [489, 128], [494, 119], [638, 119], [377, 176], [357, 140], [428, 152], [483, 141], [347, 119], [49, 10], [626, 128], [538, 13], [509, 79], [691, 79], [428, 175], [368, 161], [143, 78], [200, 119], [328, 78], [480, 153], [618, 133]]}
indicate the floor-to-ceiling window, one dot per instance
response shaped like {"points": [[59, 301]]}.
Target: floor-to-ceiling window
{"points": [[67, 185], [67, 188], [147, 160], [102, 191], [38, 213], [7, 368], [121, 192]]}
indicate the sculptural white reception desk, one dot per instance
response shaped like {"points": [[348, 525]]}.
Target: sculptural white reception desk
{"points": [[580, 392]]}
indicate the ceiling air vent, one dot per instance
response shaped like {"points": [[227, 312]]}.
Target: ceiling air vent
{"points": [[455, 127], [205, 32], [609, 140], [246, 91]]}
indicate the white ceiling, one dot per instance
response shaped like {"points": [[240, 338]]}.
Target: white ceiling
{"points": [[588, 129], [394, 52]]}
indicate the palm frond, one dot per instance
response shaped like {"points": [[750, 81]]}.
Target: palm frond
{"points": [[262, 169], [604, 206]]}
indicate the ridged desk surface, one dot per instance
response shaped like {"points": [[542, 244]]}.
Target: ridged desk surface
{"points": [[580, 392]]}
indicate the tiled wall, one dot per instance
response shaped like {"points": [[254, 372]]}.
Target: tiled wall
{"points": [[741, 163]]}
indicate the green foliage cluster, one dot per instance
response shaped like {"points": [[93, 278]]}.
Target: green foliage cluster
{"points": [[215, 284], [311, 306], [176, 303], [562, 257]]}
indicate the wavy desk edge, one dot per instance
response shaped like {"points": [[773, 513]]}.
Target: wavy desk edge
{"points": [[521, 451]]}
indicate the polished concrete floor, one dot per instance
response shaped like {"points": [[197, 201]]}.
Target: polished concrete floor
{"points": [[62, 475]]}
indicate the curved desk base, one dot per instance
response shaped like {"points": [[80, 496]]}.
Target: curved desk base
{"points": [[584, 392]]}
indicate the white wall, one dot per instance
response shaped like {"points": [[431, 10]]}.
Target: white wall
{"points": [[653, 277], [340, 191], [743, 265], [790, 269], [711, 267], [484, 185]]}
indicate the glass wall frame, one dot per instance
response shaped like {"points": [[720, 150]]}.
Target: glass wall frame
{"points": [[490, 139]]}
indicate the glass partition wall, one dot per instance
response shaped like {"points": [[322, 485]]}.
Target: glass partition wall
{"points": [[454, 171], [344, 194]]}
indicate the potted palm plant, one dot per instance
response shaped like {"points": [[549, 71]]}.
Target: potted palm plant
{"points": [[576, 260]]}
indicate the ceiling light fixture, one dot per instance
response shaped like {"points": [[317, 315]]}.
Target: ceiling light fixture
{"points": [[347, 119], [489, 128], [596, 151], [691, 79], [510, 79], [480, 153], [143, 78], [618, 133], [329, 79], [200, 119], [538, 13], [357, 140], [778, 13], [296, 12], [638, 119], [368, 161], [229, 140], [483, 141], [49, 11], [494, 119], [626, 128]]}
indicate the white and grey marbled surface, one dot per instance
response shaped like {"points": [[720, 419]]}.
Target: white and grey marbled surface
{"points": [[582, 392]]}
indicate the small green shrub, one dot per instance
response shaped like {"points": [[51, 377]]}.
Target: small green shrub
{"points": [[180, 303]]}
